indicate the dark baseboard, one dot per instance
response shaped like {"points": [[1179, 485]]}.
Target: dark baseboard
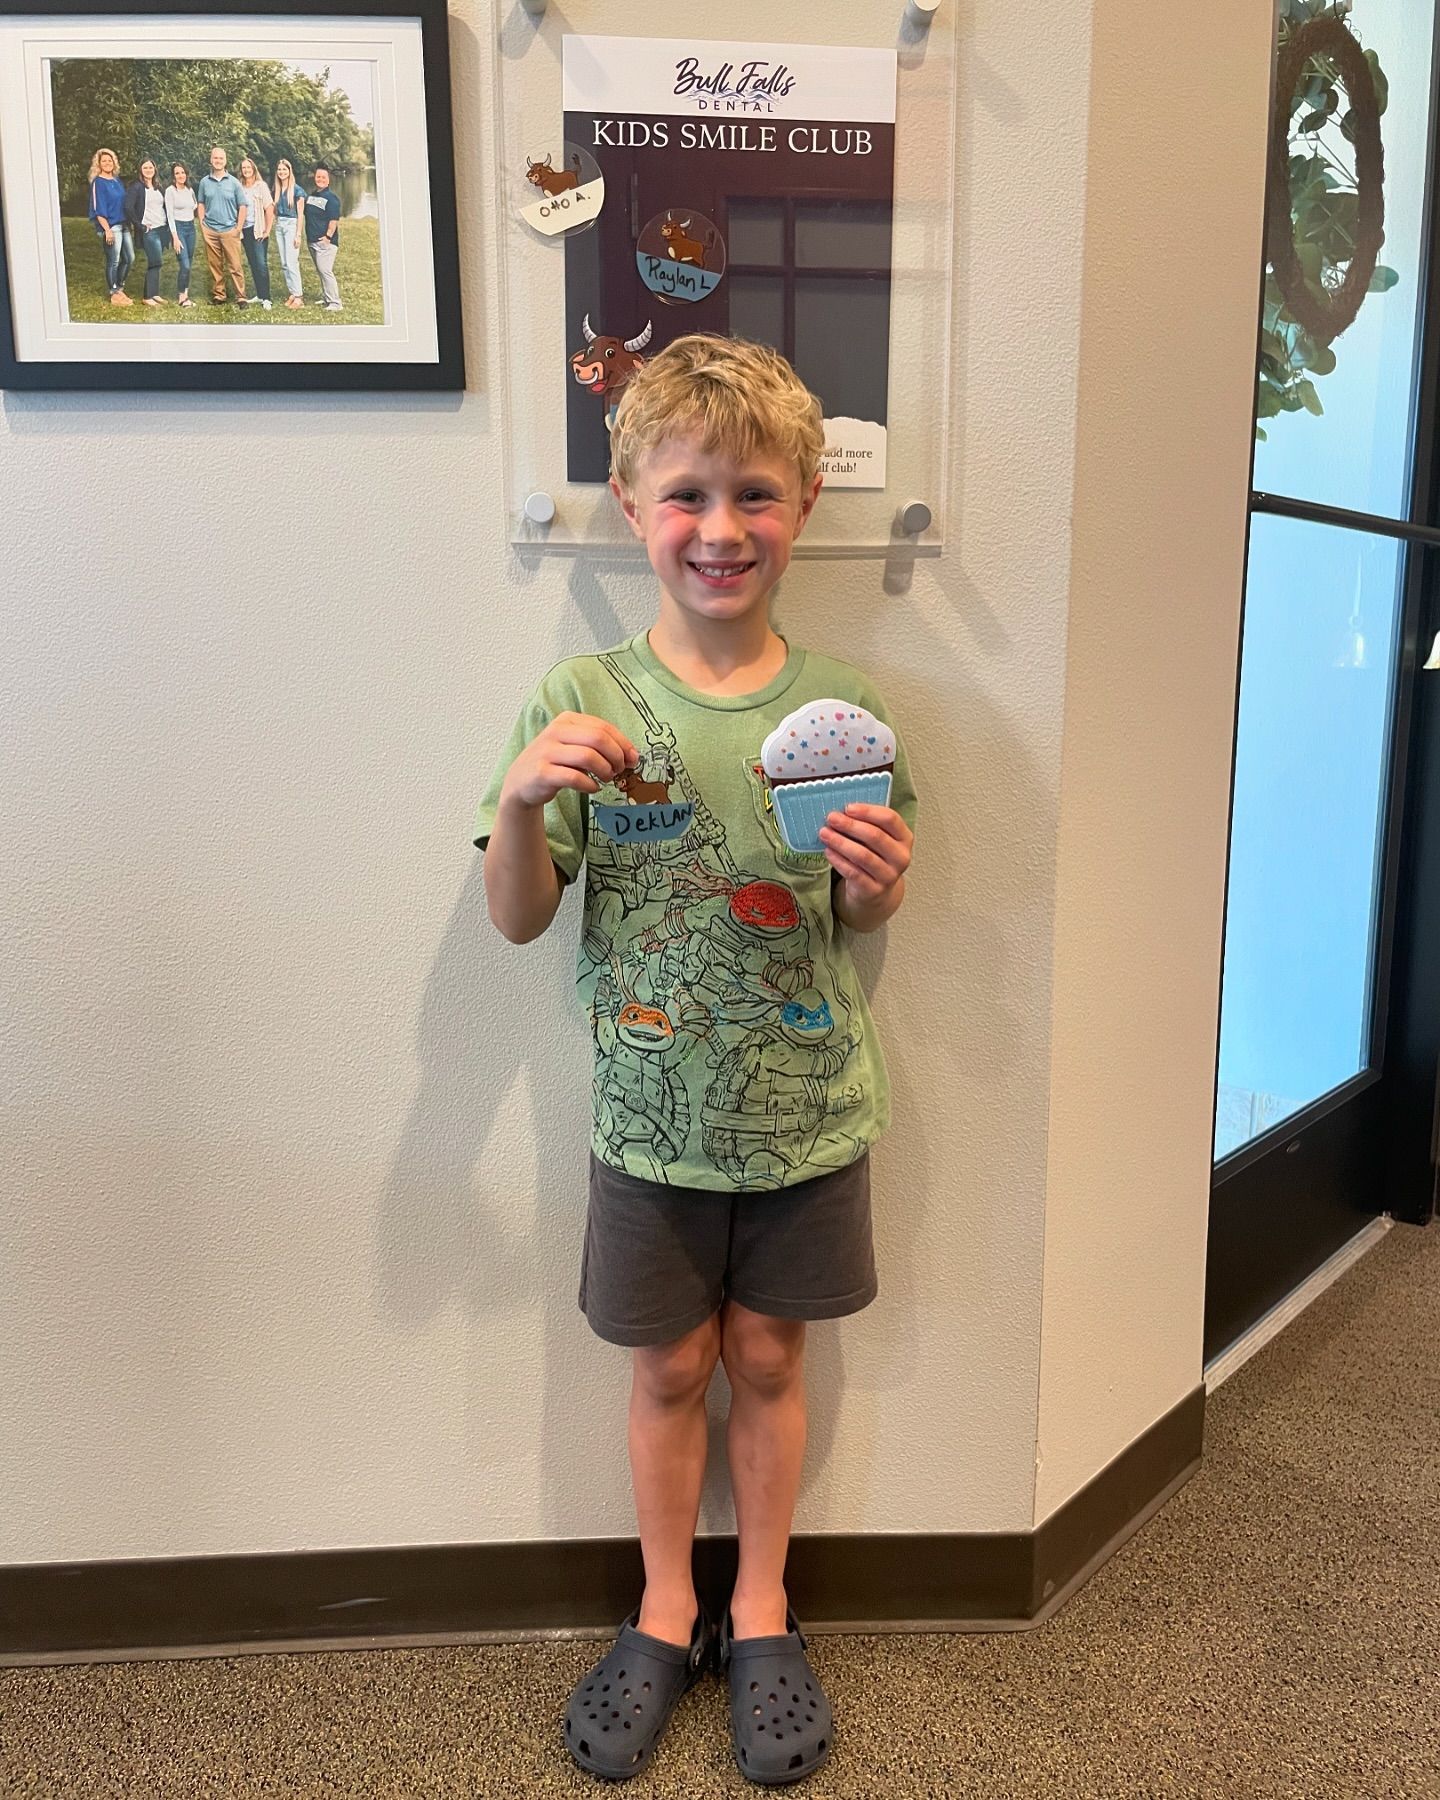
{"points": [[54, 1612]]}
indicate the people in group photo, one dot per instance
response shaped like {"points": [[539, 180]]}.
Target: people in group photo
{"points": [[180, 215], [259, 219], [322, 234], [107, 215], [234, 214], [145, 216], [289, 199], [220, 208]]}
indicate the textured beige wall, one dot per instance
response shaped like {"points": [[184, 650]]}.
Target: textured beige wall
{"points": [[1172, 254], [294, 1141]]}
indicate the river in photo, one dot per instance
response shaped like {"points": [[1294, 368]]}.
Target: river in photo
{"points": [[358, 196]]}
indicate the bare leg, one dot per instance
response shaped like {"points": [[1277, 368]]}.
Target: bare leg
{"points": [[765, 1360], [667, 1468]]}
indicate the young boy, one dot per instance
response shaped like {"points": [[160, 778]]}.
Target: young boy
{"points": [[738, 1080]]}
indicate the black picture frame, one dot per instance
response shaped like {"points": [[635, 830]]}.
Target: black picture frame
{"points": [[445, 374]]}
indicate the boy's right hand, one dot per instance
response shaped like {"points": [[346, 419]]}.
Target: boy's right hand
{"points": [[575, 750]]}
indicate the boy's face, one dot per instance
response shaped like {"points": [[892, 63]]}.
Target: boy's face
{"points": [[718, 533]]}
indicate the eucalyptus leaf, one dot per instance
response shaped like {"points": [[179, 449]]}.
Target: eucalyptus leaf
{"points": [[1383, 279], [1382, 86], [1309, 399]]}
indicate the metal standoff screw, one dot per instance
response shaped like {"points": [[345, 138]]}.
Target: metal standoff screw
{"points": [[913, 518], [920, 12], [539, 508], [535, 7]]}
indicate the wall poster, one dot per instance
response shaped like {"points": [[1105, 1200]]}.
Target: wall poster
{"points": [[749, 191]]}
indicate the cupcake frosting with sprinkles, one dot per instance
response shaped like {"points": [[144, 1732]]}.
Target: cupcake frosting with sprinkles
{"points": [[826, 738]]}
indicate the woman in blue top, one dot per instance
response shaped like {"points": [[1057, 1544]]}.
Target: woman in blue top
{"points": [[289, 199], [107, 215]]}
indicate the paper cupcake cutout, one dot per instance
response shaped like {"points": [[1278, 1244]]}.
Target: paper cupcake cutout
{"points": [[820, 759]]}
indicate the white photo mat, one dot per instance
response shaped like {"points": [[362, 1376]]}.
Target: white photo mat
{"points": [[29, 187]]}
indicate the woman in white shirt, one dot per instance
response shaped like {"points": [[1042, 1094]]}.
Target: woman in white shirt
{"points": [[259, 218], [145, 213], [180, 214]]}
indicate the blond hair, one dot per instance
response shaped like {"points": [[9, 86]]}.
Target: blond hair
{"points": [[736, 397], [95, 163]]}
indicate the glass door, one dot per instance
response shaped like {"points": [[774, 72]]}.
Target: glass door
{"points": [[1334, 604]]}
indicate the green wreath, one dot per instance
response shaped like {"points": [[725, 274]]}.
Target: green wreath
{"points": [[1326, 220]]}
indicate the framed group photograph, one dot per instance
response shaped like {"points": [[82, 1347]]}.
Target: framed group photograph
{"points": [[257, 199]]}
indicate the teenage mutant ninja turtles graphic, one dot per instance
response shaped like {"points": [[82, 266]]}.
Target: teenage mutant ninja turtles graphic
{"points": [[623, 878], [716, 980], [642, 1112], [772, 1095], [736, 955]]}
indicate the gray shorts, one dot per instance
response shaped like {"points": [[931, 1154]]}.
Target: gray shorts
{"points": [[659, 1260]]}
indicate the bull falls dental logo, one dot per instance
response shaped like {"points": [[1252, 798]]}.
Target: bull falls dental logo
{"points": [[756, 87]]}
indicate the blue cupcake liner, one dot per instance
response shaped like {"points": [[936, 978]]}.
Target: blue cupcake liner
{"points": [[803, 806]]}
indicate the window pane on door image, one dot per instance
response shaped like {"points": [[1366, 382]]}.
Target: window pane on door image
{"points": [[1347, 441], [1312, 766]]}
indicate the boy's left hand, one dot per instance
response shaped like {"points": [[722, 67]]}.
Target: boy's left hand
{"points": [[870, 846]]}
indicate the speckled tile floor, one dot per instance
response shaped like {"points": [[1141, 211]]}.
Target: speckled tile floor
{"points": [[1273, 1632]]}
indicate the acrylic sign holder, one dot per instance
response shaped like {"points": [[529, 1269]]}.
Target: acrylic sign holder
{"points": [[787, 272]]}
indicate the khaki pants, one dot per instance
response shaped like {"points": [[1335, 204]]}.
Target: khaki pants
{"points": [[222, 252]]}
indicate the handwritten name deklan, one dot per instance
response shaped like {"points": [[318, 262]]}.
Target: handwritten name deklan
{"points": [[702, 134]]}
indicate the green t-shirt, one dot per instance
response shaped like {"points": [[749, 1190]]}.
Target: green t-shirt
{"points": [[733, 1044]]}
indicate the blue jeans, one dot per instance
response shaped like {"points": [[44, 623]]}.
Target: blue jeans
{"points": [[257, 254], [119, 254], [154, 241], [287, 239], [185, 255]]}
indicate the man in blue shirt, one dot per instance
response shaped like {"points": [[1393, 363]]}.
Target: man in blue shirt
{"points": [[322, 234], [220, 209]]}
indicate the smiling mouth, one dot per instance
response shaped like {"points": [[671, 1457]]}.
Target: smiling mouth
{"points": [[721, 571]]}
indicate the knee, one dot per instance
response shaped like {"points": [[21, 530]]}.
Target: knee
{"points": [[678, 1374], [763, 1354]]}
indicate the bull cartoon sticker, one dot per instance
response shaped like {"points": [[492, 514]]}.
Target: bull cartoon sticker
{"points": [[681, 256], [649, 811], [607, 363], [564, 192]]}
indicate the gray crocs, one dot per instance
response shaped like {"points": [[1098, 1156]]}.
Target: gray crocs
{"points": [[619, 1711], [780, 1721]]}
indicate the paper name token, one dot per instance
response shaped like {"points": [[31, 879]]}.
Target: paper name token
{"points": [[564, 193]]}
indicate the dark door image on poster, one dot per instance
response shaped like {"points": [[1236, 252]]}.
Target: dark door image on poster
{"points": [[808, 248]]}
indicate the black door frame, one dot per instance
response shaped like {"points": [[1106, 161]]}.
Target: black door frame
{"points": [[1371, 1145]]}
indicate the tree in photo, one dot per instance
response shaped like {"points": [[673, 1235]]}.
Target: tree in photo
{"points": [[169, 108]]}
